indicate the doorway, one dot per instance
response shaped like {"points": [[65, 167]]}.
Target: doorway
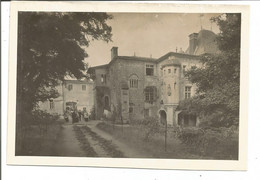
{"points": [[163, 117], [107, 107]]}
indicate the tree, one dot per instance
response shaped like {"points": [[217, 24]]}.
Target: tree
{"points": [[51, 46], [218, 81]]}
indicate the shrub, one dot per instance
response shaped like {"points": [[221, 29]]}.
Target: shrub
{"points": [[37, 129], [220, 143], [43, 119], [150, 126]]}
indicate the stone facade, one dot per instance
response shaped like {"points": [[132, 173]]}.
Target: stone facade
{"points": [[72, 93], [136, 87]]}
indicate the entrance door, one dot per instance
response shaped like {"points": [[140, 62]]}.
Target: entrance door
{"points": [[163, 117]]}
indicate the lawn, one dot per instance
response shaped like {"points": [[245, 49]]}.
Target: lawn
{"points": [[154, 146]]}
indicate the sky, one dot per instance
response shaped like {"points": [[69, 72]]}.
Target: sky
{"points": [[148, 34]]}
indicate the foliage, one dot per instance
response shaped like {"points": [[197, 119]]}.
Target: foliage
{"points": [[217, 81], [149, 125], [221, 143], [51, 46], [36, 128]]}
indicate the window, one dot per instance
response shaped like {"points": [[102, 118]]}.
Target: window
{"points": [[51, 104], [169, 90], [83, 87], [149, 70], [164, 71], [175, 70], [150, 94], [187, 92], [103, 78], [70, 87], [133, 83], [169, 71]]}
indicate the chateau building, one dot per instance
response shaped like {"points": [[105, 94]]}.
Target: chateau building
{"points": [[137, 87], [73, 94]]}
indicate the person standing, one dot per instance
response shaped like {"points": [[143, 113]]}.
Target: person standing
{"points": [[74, 117], [85, 115], [66, 115], [80, 115]]}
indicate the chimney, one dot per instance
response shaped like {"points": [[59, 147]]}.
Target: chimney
{"points": [[114, 52], [193, 42]]}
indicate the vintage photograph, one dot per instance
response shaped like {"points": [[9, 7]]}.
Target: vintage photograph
{"points": [[149, 85]]}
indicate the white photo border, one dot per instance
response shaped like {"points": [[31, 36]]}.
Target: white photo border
{"points": [[240, 164]]}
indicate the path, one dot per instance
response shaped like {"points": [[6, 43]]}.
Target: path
{"points": [[84, 139], [126, 149], [67, 144]]}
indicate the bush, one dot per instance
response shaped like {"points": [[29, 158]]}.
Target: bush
{"points": [[43, 119], [150, 126], [37, 131], [219, 143]]}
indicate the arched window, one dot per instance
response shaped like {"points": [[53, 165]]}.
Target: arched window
{"points": [[133, 81]]}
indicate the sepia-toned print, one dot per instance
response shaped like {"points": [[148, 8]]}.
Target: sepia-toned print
{"points": [[128, 85]]}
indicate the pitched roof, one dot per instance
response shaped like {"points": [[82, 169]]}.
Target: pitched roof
{"points": [[206, 43], [174, 62], [180, 55], [85, 81], [136, 58], [100, 66]]}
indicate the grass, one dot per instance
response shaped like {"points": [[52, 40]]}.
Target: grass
{"points": [[38, 143], [155, 147]]}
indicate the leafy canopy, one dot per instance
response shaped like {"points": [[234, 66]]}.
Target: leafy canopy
{"points": [[50, 47], [217, 81]]}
